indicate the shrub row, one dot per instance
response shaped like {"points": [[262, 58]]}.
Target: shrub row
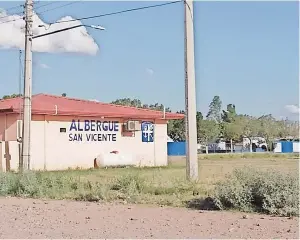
{"points": [[245, 189]]}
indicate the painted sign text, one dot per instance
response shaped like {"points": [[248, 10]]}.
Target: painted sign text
{"points": [[83, 131]]}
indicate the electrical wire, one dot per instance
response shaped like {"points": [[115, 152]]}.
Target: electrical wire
{"points": [[105, 14], [16, 13], [13, 13], [44, 5], [119, 12], [12, 8], [64, 5]]}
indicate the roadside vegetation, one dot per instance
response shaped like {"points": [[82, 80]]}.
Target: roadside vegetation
{"points": [[269, 185]]}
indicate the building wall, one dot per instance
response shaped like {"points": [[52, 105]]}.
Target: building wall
{"points": [[9, 156], [8, 127], [176, 148], [9, 147], [52, 150]]}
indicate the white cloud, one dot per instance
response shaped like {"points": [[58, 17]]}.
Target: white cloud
{"points": [[150, 71], [43, 65], [293, 108], [76, 40]]}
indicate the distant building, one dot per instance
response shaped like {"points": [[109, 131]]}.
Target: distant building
{"points": [[73, 133], [258, 142], [169, 139]]}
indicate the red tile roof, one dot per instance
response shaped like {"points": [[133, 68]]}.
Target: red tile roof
{"points": [[44, 104]]}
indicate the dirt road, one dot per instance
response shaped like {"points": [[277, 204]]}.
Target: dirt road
{"points": [[28, 218]]}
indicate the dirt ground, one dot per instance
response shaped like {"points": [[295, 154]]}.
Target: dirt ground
{"points": [[27, 218]]}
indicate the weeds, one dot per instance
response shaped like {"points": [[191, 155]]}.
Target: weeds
{"points": [[262, 155], [269, 192], [245, 189]]}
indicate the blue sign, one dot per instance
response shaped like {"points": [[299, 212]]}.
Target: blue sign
{"points": [[147, 132], [93, 131]]}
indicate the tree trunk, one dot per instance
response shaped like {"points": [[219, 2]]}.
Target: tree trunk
{"points": [[206, 146], [267, 144], [231, 146]]}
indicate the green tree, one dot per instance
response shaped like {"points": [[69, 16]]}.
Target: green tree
{"points": [[12, 96], [230, 114], [249, 127], [64, 95], [294, 129], [199, 116], [208, 131], [232, 132], [268, 129], [289, 129], [128, 102], [157, 107], [176, 129], [214, 112]]}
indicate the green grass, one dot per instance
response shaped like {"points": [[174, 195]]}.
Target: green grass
{"points": [[161, 186], [256, 155]]}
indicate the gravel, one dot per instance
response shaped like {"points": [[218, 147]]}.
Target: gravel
{"points": [[28, 218]]}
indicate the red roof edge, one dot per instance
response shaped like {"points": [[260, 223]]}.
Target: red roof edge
{"points": [[149, 113], [174, 115], [170, 116], [8, 110]]}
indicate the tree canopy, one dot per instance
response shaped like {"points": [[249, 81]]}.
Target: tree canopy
{"points": [[12, 96], [226, 124]]}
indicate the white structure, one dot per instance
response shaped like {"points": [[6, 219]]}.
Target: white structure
{"points": [[169, 139], [219, 145], [278, 147], [260, 142], [73, 133]]}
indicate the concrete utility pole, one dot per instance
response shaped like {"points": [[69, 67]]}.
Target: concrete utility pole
{"points": [[26, 141], [190, 95]]}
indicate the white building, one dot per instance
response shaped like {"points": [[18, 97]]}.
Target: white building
{"points": [[72, 133]]}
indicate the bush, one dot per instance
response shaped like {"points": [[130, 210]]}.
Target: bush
{"points": [[48, 185], [252, 190]]}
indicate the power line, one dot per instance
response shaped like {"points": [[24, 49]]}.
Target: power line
{"points": [[15, 7], [102, 15], [64, 5], [44, 5], [12, 13], [118, 12]]}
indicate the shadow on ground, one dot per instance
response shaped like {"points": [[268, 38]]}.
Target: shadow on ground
{"points": [[202, 204]]}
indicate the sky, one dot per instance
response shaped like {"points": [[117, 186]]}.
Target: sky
{"points": [[245, 52]]}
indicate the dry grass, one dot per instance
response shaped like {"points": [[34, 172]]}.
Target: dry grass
{"points": [[163, 186]]}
